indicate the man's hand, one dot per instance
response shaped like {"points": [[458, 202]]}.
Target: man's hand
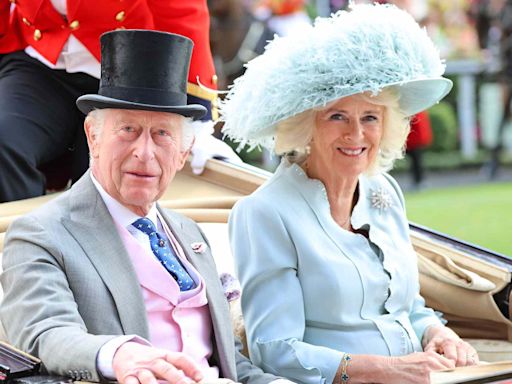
{"points": [[207, 146], [217, 381], [135, 363]]}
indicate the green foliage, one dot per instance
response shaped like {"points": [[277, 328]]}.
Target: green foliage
{"points": [[444, 127], [451, 160], [311, 10], [250, 157], [480, 214]]}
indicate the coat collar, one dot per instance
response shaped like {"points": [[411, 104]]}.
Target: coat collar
{"points": [[93, 228]]}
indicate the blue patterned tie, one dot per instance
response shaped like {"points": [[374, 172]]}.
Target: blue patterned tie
{"points": [[165, 254]]}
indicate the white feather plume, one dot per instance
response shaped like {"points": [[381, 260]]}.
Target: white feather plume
{"points": [[364, 49]]}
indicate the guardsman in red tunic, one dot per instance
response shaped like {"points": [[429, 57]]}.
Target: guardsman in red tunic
{"points": [[49, 55], [419, 138]]}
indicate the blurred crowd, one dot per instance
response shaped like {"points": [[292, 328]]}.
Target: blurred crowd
{"points": [[68, 57], [460, 28], [479, 30]]}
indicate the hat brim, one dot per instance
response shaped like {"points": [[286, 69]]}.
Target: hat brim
{"points": [[414, 96], [88, 103], [419, 95]]}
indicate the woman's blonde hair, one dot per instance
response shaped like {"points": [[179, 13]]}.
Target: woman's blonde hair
{"points": [[294, 134]]}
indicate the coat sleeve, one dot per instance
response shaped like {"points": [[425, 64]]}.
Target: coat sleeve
{"points": [[11, 38], [191, 19], [272, 300], [247, 372], [188, 18], [39, 312], [5, 7], [421, 317]]}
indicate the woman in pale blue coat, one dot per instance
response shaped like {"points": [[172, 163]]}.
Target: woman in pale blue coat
{"points": [[330, 290]]}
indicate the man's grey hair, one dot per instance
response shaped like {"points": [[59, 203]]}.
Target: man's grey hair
{"points": [[96, 118]]}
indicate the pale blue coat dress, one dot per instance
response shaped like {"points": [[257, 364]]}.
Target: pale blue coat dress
{"points": [[312, 290]]}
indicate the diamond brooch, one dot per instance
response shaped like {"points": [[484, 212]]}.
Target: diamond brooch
{"points": [[380, 199]]}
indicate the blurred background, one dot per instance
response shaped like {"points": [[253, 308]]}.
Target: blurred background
{"points": [[457, 172]]}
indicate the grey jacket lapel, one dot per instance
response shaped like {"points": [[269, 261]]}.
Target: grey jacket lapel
{"points": [[187, 232], [93, 228]]}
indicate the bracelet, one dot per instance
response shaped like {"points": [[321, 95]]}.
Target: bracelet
{"points": [[345, 362]]}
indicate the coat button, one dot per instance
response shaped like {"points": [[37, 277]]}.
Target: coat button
{"points": [[215, 79], [120, 16], [75, 24], [25, 20], [37, 35]]}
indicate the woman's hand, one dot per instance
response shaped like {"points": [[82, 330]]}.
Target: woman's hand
{"points": [[412, 368], [443, 340], [416, 367]]}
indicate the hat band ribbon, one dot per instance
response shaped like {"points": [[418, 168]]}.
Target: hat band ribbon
{"points": [[151, 96]]}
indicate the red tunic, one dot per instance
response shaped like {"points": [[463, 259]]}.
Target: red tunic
{"points": [[38, 24], [421, 131]]}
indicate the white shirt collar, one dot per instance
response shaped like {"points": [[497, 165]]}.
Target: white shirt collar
{"points": [[118, 211]]}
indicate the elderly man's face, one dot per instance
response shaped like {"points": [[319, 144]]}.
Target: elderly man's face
{"points": [[136, 155]]}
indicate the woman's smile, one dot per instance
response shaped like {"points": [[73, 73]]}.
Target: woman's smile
{"points": [[351, 152]]}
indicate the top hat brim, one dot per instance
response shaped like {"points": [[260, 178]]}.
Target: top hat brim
{"points": [[88, 103]]}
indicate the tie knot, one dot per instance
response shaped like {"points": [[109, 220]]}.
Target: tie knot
{"points": [[145, 225]]}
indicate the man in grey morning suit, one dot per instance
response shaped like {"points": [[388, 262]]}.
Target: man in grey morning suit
{"points": [[85, 290]]}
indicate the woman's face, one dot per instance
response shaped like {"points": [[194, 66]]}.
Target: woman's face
{"points": [[346, 138]]}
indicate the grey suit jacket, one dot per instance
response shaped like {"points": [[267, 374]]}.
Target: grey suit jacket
{"points": [[70, 287]]}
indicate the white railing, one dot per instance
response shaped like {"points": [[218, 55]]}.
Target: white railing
{"points": [[466, 72]]}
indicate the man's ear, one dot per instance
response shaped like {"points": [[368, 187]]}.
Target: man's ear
{"points": [[92, 138], [184, 155]]}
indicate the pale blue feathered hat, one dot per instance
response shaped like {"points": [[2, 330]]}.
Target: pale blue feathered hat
{"points": [[368, 48]]}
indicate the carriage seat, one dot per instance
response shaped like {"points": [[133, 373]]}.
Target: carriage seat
{"points": [[213, 222]]}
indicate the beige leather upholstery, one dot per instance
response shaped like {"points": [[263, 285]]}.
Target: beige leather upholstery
{"points": [[492, 350], [457, 284]]}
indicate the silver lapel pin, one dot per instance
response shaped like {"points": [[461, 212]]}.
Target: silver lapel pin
{"points": [[199, 247]]}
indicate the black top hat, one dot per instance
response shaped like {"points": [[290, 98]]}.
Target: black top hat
{"points": [[145, 70]]}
